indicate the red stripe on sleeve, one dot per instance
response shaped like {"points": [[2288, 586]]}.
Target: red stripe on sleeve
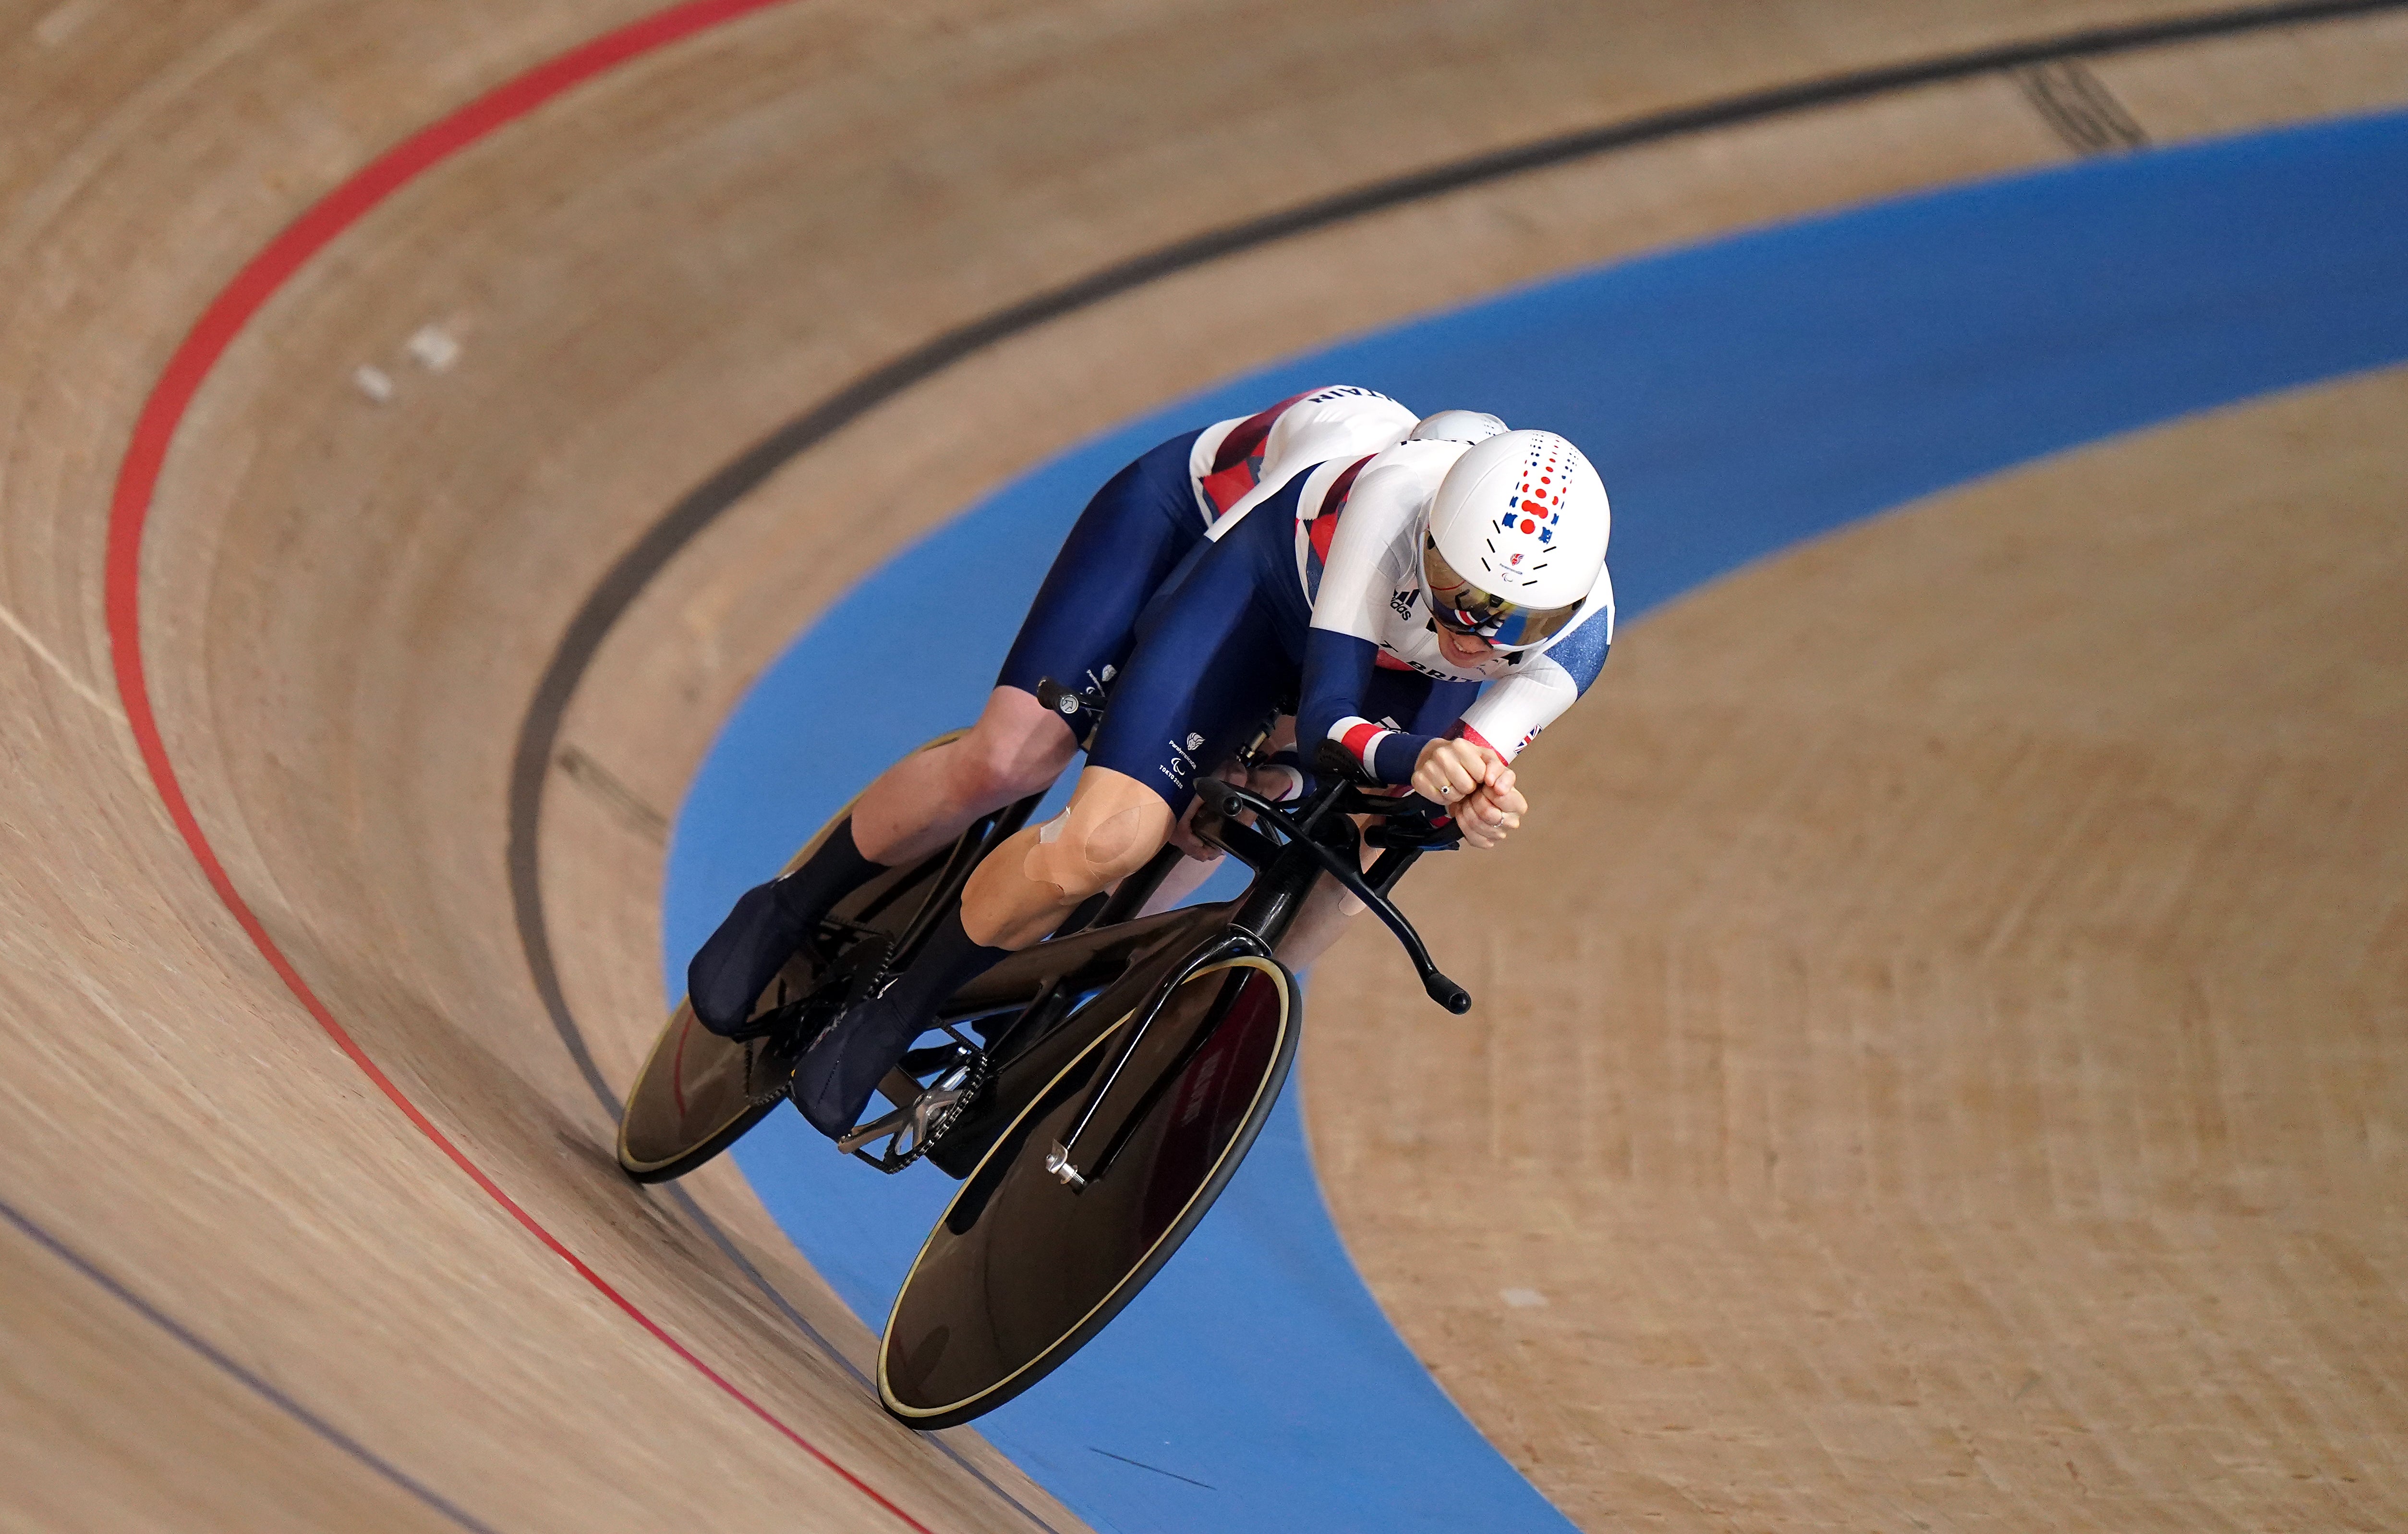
{"points": [[1465, 732], [1322, 531]]}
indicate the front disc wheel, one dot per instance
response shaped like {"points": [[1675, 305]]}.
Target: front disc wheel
{"points": [[1027, 1265]]}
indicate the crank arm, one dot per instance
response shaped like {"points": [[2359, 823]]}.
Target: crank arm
{"points": [[876, 1128], [921, 1113]]}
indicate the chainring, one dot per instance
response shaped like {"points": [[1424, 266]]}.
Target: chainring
{"points": [[975, 1070]]}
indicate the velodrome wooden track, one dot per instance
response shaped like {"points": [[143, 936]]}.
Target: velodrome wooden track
{"points": [[1975, 1099]]}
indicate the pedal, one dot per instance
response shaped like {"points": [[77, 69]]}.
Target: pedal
{"points": [[771, 1054], [899, 1087], [776, 1009]]}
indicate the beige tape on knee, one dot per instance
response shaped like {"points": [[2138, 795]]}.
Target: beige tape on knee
{"points": [[1078, 859]]}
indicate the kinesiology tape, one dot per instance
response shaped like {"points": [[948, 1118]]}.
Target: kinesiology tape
{"points": [[1088, 847]]}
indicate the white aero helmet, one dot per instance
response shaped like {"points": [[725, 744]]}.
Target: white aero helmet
{"points": [[1472, 427], [1514, 540]]}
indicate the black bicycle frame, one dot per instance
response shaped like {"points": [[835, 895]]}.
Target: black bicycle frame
{"points": [[1288, 859], [1140, 962]]}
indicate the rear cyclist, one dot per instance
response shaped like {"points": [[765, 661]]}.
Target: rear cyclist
{"points": [[1078, 631], [1438, 604]]}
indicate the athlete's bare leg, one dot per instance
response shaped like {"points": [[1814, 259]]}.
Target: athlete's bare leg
{"points": [[1185, 879], [1025, 888], [1017, 747], [1323, 919], [1114, 824]]}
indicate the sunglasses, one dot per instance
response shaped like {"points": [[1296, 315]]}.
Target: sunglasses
{"points": [[1466, 609]]}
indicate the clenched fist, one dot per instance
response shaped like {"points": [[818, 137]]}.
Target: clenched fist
{"points": [[1474, 784]]}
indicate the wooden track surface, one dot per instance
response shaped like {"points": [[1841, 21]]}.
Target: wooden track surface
{"points": [[1968, 1081], [348, 602]]}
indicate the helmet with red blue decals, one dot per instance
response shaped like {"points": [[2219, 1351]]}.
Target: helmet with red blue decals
{"points": [[1467, 426], [1514, 539]]}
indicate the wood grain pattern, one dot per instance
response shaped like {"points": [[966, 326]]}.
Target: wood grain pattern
{"points": [[1967, 1083], [348, 598]]}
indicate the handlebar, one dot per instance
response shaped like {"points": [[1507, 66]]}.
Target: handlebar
{"points": [[1225, 800], [1428, 824]]}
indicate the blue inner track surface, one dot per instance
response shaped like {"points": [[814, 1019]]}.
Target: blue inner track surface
{"points": [[1740, 395]]}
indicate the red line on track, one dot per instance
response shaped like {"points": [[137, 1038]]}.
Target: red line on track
{"points": [[138, 480]]}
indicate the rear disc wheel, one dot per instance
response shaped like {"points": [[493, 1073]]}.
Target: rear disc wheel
{"points": [[697, 1092], [700, 1092]]}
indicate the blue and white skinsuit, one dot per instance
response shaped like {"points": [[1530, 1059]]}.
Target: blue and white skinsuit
{"points": [[1215, 579], [1277, 559]]}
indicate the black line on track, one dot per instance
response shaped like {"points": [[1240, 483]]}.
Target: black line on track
{"points": [[728, 1249], [1155, 1468], [626, 579], [41, 1236]]}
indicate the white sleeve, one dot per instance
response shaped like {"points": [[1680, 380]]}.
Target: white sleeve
{"points": [[1509, 713], [1358, 577]]}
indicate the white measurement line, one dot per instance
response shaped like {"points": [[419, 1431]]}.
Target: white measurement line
{"points": [[83, 689]]}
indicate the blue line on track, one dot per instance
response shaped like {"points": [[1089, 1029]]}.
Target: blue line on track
{"points": [[1743, 395], [100, 1276]]}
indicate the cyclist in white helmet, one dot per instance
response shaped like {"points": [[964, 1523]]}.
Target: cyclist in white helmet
{"points": [[1435, 605], [1078, 631]]}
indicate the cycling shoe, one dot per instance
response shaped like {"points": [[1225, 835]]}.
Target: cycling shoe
{"points": [[835, 1076]]}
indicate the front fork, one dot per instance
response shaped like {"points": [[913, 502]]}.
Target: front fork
{"points": [[1251, 935], [1061, 1157]]}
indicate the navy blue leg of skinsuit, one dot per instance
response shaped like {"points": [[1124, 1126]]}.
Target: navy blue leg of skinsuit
{"points": [[1133, 533], [1221, 648], [1135, 530]]}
